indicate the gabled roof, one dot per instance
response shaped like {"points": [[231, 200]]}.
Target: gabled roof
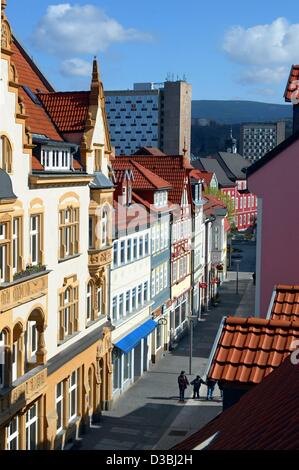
{"points": [[29, 76], [291, 87], [68, 110], [265, 418], [272, 154], [213, 166], [143, 177], [285, 303], [174, 169], [250, 348], [233, 164]]}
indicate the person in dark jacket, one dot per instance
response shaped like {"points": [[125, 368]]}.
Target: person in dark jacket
{"points": [[183, 383], [253, 278], [196, 385], [220, 386], [211, 385]]}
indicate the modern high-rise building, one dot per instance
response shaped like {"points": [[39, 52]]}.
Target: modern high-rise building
{"points": [[151, 115], [257, 139]]}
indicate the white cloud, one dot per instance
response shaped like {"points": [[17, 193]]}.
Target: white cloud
{"points": [[266, 50], [80, 29], [76, 67], [275, 43]]}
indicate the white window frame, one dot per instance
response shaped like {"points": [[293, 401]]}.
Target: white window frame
{"points": [[14, 435], [72, 387], [34, 238], [14, 360], [30, 422], [59, 399], [15, 244], [89, 302], [2, 358]]}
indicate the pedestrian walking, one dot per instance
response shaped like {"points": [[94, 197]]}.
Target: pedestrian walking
{"points": [[211, 385], [220, 386], [196, 385], [183, 383], [253, 278]]}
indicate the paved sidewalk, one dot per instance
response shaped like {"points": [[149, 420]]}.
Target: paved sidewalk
{"points": [[148, 415]]}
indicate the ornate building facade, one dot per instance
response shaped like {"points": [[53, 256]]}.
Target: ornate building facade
{"points": [[55, 255]]}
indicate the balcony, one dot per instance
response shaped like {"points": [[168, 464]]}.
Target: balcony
{"points": [[22, 392], [28, 286], [98, 259]]}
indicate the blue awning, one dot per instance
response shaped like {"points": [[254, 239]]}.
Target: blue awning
{"points": [[129, 342]]}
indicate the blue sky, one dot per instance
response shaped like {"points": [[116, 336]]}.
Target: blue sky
{"points": [[227, 50]]}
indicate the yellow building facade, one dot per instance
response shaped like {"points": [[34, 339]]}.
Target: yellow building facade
{"points": [[55, 254]]}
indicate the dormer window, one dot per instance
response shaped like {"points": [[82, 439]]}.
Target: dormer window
{"points": [[197, 194], [161, 199], [56, 159]]}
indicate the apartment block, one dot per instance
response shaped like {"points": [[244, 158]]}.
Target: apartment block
{"points": [[257, 139]]}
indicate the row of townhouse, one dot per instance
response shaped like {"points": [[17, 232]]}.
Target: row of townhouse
{"points": [[102, 258]]}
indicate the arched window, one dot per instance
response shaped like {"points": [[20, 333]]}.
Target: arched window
{"points": [[104, 227], [5, 154], [89, 302]]}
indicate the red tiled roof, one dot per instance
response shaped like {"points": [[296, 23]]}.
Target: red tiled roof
{"points": [[250, 348], [212, 203], [68, 110], [170, 168], [202, 175], [143, 177], [291, 87], [130, 217], [265, 418], [29, 76], [286, 303]]}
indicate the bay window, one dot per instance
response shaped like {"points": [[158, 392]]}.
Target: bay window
{"points": [[4, 252], [105, 227]]}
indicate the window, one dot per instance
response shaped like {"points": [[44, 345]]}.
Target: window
{"points": [[68, 312], [128, 302], [16, 245], [121, 305], [122, 252], [35, 239], [2, 358], [31, 427], [115, 254], [89, 302], [129, 250], [158, 336], [145, 292], [146, 245], [73, 390], [134, 298], [127, 365], [14, 360], [135, 248], [5, 154], [31, 340], [100, 301], [91, 231], [141, 247], [69, 232], [114, 308], [56, 159], [105, 227], [59, 406], [140, 294], [4, 252], [13, 434]]}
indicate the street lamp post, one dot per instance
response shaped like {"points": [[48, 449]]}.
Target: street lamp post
{"points": [[238, 261], [191, 320]]}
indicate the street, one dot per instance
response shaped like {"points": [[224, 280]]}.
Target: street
{"points": [[149, 416]]}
